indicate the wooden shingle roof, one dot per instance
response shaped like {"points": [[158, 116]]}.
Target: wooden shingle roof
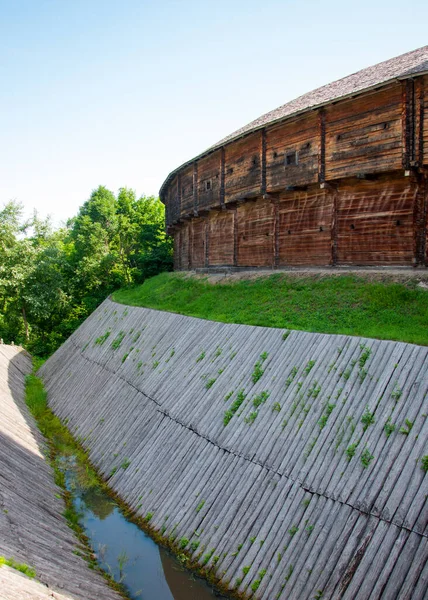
{"points": [[401, 67]]}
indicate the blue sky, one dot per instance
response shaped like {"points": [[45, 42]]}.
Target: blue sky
{"points": [[119, 93]]}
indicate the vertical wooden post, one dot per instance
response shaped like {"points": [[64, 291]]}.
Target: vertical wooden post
{"points": [[179, 196], [263, 162], [276, 232], [195, 188], [408, 122], [404, 124], [235, 236], [321, 156], [207, 240], [190, 244], [425, 227], [333, 228], [179, 250], [419, 122], [222, 176], [420, 220]]}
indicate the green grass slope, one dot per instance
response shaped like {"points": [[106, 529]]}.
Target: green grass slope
{"points": [[338, 304]]}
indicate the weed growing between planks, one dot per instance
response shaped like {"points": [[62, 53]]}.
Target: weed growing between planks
{"points": [[258, 370], [118, 340], [234, 408]]}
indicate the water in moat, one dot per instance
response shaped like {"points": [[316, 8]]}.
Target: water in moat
{"points": [[122, 549]]}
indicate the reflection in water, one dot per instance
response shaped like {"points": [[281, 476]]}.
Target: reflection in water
{"points": [[124, 550], [183, 585], [100, 504]]}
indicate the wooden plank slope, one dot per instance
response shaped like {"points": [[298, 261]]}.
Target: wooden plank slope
{"points": [[32, 529], [15, 586], [313, 488]]}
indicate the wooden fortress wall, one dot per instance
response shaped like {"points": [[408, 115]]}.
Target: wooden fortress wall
{"points": [[344, 184]]}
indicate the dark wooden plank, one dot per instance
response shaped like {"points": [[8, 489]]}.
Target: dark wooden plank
{"points": [[186, 192], [195, 187], [263, 161], [304, 231], [368, 126], [221, 225], [299, 141], [322, 138], [243, 168], [375, 221], [198, 243], [209, 181], [255, 234]]}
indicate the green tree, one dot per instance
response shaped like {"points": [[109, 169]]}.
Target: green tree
{"points": [[51, 280]]}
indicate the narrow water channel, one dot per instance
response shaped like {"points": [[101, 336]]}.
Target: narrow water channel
{"points": [[129, 555]]}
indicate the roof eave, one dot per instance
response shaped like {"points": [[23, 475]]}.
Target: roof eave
{"points": [[281, 119]]}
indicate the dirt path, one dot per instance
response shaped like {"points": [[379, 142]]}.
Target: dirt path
{"points": [[404, 275]]}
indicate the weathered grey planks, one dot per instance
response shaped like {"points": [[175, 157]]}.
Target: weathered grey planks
{"points": [[32, 529], [302, 496], [15, 586]]}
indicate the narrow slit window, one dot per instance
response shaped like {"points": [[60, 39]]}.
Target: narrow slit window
{"points": [[208, 184], [291, 159]]}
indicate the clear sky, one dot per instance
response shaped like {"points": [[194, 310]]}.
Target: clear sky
{"points": [[121, 92]]}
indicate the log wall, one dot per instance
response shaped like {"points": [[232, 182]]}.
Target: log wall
{"points": [[343, 184], [305, 228], [255, 234], [364, 135], [300, 138], [209, 181], [375, 222], [361, 222], [186, 191], [221, 239], [199, 234], [243, 168], [283, 486], [423, 112]]}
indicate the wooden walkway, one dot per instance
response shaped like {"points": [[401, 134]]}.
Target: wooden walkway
{"points": [[32, 529], [314, 487]]}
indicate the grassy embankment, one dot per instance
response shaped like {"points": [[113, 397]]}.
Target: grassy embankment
{"points": [[343, 304]]}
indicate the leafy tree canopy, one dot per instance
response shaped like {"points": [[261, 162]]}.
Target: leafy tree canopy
{"points": [[50, 280]]}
